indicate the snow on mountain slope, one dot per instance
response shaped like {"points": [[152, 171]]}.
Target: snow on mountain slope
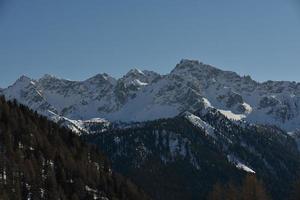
{"points": [[198, 122], [232, 116], [25, 91], [145, 95], [239, 164]]}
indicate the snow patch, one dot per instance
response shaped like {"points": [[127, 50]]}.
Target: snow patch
{"points": [[240, 165], [137, 82], [232, 116], [247, 107], [207, 104], [198, 122], [245, 168]]}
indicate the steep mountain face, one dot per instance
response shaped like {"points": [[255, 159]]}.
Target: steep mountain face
{"points": [[182, 157], [40, 160], [146, 95]]}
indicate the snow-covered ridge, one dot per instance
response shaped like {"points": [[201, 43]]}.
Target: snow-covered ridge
{"points": [[239, 164], [198, 122], [145, 95]]}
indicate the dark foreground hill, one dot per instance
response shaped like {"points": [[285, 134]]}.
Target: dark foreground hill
{"points": [[40, 160], [184, 157]]}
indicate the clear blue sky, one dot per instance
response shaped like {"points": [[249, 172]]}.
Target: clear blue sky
{"points": [[76, 39]]}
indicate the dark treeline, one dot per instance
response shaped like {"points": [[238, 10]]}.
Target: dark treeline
{"points": [[40, 160], [250, 189], [143, 153]]}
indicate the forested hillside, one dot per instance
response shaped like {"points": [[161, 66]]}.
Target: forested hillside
{"points": [[40, 160], [184, 157]]}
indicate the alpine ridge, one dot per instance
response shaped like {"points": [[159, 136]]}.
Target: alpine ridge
{"points": [[178, 135], [146, 95]]}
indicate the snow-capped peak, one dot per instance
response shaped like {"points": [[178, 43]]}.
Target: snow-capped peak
{"points": [[135, 71], [145, 95], [100, 78], [24, 81], [189, 66], [48, 76], [138, 78]]}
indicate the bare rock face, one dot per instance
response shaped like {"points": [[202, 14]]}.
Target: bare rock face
{"points": [[267, 102]]}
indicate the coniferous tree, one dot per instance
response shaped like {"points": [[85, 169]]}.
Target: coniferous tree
{"points": [[295, 194], [217, 192], [40, 160], [253, 189], [232, 192]]}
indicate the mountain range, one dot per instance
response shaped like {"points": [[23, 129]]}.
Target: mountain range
{"points": [[178, 134], [146, 95]]}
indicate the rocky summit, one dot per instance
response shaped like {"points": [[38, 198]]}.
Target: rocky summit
{"points": [[146, 95]]}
